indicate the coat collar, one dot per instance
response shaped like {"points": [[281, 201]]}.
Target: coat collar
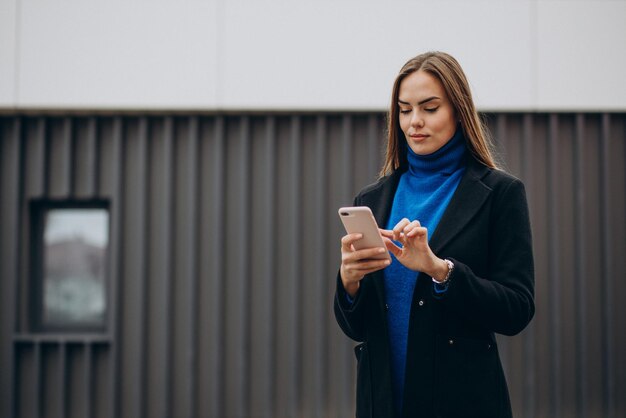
{"points": [[466, 202]]}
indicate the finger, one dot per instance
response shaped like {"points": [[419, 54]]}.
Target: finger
{"points": [[417, 232], [365, 267], [411, 226], [347, 240], [364, 254], [397, 230], [392, 247]]}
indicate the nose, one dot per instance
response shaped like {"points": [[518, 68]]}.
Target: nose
{"points": [[416, 120]]}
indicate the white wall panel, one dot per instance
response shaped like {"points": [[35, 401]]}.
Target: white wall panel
{"points": [[280, 55], [581, 55], [346, 54], [8, 45], [117, 54]]}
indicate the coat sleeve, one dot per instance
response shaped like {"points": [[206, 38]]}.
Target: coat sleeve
{"points": [[350, 315], [503, 300]]}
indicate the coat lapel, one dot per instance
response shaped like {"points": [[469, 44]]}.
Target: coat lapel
{"points": [[466, 202], [380, 198]]}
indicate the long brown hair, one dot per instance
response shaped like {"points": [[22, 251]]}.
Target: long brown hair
{"points": [[448, 71]]}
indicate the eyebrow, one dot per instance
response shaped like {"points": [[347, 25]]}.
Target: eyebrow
{"points": [[420, 103]]}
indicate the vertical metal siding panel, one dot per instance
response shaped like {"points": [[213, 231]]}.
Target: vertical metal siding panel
{"points": [[194, 256], [501, 137], [166, 254], [59, 176], [132, 372], [35, 163], [219, 269], [284, 253], [606, 273], [142, 261], [10, 187], [50, 371], [116, 272], [306, 295], [62, 377], [158, 289], [307, 245], [593, 290], [262, 330], [539, 206], [105, 176], [618, 232], [25, 395], [554, 275], [35, 169], [84, 158], [237, 249], [580, 263], [373, 151], [76, 388], [182, 347], [529, 342], [74, 395], [564, 223], [312, 299], [38, 392], [103, 381], [212, 270], [616, 191], [295, 391], [246, 247], [272, 260], [322, 278], [332, 201], [87, 380], [338, 193], [91, 160], [508, 138]]}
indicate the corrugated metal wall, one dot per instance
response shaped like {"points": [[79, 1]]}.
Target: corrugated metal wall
{"points": [[224, 247]]}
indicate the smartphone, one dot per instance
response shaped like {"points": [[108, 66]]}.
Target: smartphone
{"points": [[359, 219]]}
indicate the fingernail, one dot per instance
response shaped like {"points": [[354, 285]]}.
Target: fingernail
{"points": [[381, 250]]}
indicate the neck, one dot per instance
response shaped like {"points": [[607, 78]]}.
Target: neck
{"points": [[446, 160]]}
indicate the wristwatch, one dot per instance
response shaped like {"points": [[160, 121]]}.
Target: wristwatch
{"points": [[447, 278]]}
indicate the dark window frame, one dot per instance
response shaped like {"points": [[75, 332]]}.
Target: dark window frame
{"points": [[35, 299]]}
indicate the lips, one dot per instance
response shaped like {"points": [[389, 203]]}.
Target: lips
{"points": [[418, 136]]}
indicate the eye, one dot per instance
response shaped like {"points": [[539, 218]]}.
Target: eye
{"points": [[405, 111], [432, 109]]}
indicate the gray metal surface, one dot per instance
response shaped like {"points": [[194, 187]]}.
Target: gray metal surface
{"points": [[224, 248]]}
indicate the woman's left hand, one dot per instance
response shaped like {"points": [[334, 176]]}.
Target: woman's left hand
{"points": [[415, 252]]}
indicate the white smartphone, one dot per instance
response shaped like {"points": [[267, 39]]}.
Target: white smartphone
{"points": [[359, 219]]}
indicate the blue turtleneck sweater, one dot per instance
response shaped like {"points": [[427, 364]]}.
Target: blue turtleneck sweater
{"points": [[423, 194]]}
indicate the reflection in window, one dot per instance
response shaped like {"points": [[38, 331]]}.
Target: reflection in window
{"points": [[74, 251]]}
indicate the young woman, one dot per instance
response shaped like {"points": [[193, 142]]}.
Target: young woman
{"points": [[462, 265]]}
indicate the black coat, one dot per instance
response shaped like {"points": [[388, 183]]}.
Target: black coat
{"points": [[453, 368]]}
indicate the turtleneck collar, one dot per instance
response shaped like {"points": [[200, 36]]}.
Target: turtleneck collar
{"points": [[446, 160]]}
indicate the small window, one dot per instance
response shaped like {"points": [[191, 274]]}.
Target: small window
{"points": [[70, 269]]}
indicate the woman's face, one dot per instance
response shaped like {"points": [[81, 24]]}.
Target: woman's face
{"points": [[426, 115]]}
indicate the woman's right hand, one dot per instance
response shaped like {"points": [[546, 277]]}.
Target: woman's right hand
{"points": [[355, 264]]}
